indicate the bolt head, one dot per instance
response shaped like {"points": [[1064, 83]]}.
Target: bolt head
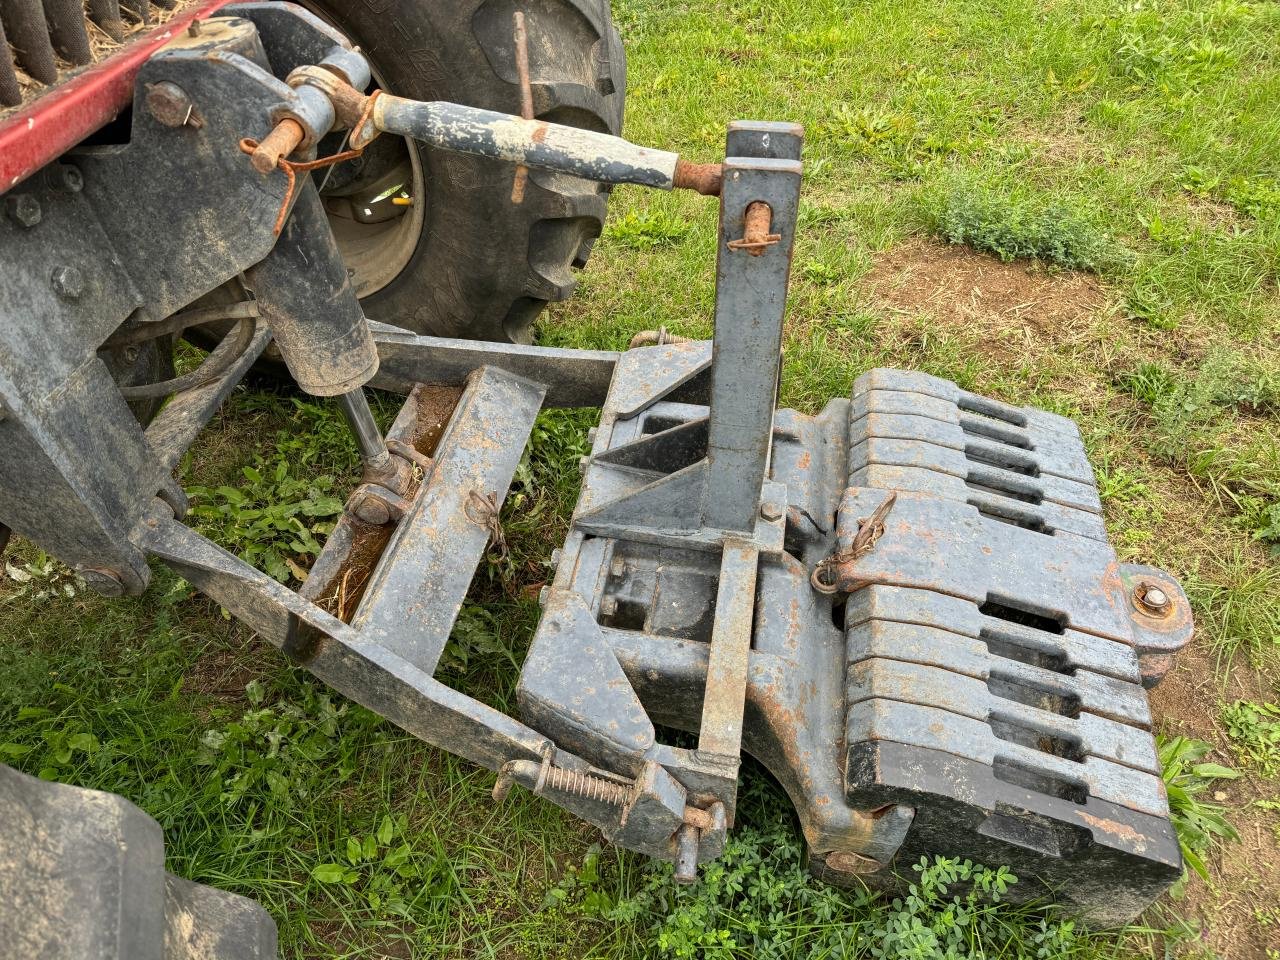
{"points": [[608, 606], [68, 282], [770, 511], [23, 209], [101, 581], [583, 463], [1152, 599], [68, 177], [168, 103]]}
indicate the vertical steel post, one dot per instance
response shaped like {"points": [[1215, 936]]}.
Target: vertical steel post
{"points": [[762, 166]]}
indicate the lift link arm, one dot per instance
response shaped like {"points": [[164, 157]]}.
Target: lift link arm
{"points": [[487, 133]]}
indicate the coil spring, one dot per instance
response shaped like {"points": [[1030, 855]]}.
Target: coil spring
{"points": [[585, 785]]}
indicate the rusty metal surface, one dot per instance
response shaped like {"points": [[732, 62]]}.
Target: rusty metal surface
{"points": [[521, 38], [704, 178], [757, 225], [720, 731], [417, 589], [283, 139], [532, 143], [338, 577]]}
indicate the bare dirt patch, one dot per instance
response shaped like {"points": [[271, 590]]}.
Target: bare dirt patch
{"points": [[1245, 875], [1013, 307], [224, 672]]}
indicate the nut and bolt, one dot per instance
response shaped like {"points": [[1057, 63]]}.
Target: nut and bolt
{"points": [[591, 435], [543, 595], [68, 282], [555, 556], [102, 581], [1152, 600], [608, 606], [770, 511], [171, 105], [583, 463], [23, 209]]}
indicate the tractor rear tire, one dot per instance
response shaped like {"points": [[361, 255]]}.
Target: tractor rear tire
{"points": [[479, 265]]}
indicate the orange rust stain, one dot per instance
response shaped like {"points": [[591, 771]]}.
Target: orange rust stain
{"points": [[804, 461], [1113, 827]]}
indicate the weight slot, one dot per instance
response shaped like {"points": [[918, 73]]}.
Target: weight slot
{"points": [[1003, 513], [977, 426], [998, 484], [1009, 770], [1008, 647], [991, 409], [1064, 703], [1002, 459]]}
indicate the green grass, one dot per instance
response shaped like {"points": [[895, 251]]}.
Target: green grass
{"points": [[1254, 729], [1200, 825], [1138, 141], [1009, 225]]}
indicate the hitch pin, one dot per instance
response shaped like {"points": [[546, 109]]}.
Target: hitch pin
{"points": [[280, 142], [757, 222]]}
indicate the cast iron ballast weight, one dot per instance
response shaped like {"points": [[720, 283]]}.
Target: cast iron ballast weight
{"points": [[905, 607]]}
